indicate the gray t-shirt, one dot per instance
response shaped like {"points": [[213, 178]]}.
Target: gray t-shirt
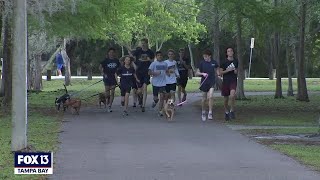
{"points": [[159, 80]]}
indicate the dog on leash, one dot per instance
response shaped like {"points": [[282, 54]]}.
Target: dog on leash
{"points": [[169, 109], [102, 99], [74, 104], [62, 99]]}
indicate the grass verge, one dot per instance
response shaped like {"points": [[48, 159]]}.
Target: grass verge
{"points": [[308, 155], [42, 136]]}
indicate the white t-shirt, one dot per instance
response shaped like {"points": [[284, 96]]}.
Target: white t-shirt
{"points": [[172, 77]]}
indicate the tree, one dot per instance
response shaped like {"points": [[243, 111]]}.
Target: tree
{"points": [[302, 85]]}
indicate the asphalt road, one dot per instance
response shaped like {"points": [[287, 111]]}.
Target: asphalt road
{"points": [[142, 146]]}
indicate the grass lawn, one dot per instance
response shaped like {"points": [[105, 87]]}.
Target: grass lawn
{"points": [[309, 155], [291, 131], [42, 136]]}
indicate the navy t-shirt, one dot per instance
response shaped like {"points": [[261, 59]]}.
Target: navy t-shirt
{"points": [[142, 67], [139, 52], [182, 70], [126, 76], [110, 66], [209, 68], [229, 76]]}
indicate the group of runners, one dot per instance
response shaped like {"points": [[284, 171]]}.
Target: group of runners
{"points": [[136, 69]]}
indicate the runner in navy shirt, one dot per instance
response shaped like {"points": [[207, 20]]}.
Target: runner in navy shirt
{"points": [[128, 77], [207, 69]]}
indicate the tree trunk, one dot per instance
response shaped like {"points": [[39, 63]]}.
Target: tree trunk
{"points": [[240, 87], [7, 63], [276, 53], [296, 62], [50, 62], [278, 93], [290, 87], [269, 57], [216, 42], [67, 63], [302, 85], [90, 72], [191, 71], [37, 84], [79, 69]]}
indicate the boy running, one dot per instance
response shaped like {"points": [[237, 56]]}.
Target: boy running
{"points": [[127, 79], [229, 84], [207, 68], [183, 66], [158, 71], [171, 78], [143, 58], [108, 69]]}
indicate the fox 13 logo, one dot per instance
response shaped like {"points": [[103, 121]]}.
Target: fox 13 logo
{"points": [[33, 163]]}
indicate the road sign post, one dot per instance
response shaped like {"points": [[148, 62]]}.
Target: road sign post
{"points": [[251, 48]]}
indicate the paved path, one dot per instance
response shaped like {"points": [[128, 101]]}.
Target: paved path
{"points": [[99, 145]]}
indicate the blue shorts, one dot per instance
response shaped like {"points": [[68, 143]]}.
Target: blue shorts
{"points": [[59, 66]]}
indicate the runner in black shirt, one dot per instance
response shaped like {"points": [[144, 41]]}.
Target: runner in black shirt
{"points": [[183, 66], [229, 70], [108, 69], [143, 58]]}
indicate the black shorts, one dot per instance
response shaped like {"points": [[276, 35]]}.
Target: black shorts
{"points": [[182, 81], [171, 88], [207, 86], [144, 79], [110, 81], [156, 90], [134, 85], [125, 89]]}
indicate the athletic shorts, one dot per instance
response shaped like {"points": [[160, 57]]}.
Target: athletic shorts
{"points": [[171, 88], [156, 90], [207, 86], [124, 90], [227, 87], [182, 82], [59, 66], [144, 79], [110, 81]]}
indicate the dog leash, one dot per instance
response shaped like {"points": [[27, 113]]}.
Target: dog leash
{"points": [[85, 99], [86, 88], [194, 91]]}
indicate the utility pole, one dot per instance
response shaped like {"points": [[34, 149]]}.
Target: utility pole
{"points": [[19, 77]]}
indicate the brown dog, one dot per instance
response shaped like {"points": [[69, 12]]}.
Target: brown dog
{"points": [[75, 105], [169, 109], [102, 99]]}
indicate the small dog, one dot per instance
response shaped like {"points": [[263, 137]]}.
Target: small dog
{"points": [[62, 99], [75, 105], [61, 102], [102, 99], [169, 109]]}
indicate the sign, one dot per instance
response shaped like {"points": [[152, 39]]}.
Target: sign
{"points": [[33, 163], [252, 43]]}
